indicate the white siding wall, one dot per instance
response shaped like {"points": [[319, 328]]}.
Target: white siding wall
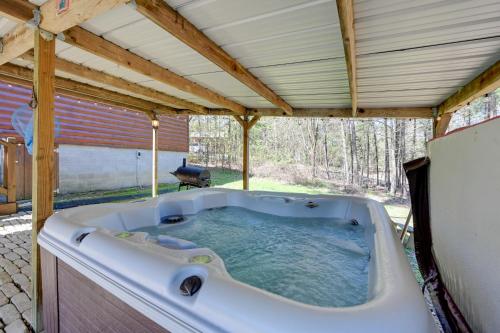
{"points": [[86, 168]]}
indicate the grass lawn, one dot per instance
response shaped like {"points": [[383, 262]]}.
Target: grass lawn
{"points": [[232, 179]]}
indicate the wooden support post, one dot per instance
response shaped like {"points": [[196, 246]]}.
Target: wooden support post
{"points": [[43, 157], [246, 153], [246, 125], [154, 182]]}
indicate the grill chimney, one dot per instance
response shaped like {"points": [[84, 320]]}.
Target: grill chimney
{"points": [[184, 162]]}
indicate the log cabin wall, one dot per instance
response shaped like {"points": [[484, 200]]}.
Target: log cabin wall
{"points": [[87, 123], [95, 141]]}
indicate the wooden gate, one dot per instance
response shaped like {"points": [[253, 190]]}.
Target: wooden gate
{"points": [[24, 172], [8, 188]]}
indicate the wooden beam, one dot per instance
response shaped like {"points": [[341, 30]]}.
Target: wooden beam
{"points": [[79, 11], [43, 158], [17, 10], [484, 83], [119, 83], [89, 42], [20, 38], [21, 75], [252, 122], [441, 124], [8, 208], [345, 113], [346, 19], [239, 120], [16, 42], [170, 20]]}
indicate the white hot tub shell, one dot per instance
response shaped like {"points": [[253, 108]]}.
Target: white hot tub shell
{"points": [[147, 276]]}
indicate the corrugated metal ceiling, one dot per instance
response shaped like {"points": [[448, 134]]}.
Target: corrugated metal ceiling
{"points": [[409, 53], [416, 53], [270, 38]]}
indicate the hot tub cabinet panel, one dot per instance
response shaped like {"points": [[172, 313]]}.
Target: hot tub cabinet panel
{"points": [[73, 303], [97, 276]]}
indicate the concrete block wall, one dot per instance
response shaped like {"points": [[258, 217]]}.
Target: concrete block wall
{"points": [[88, 168]]}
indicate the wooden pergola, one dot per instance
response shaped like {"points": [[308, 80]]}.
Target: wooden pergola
{"points": [[28, 57]]}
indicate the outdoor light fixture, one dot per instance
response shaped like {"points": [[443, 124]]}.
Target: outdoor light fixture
{"points": [[155, 123]]}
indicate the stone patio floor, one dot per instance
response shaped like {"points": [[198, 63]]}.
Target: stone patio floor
{"points": [[15, 273]]}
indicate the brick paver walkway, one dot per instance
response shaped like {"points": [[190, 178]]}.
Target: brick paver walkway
{"points": [[15, 272]]}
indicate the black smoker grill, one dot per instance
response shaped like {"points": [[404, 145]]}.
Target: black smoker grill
{"points": [[189, 175]]}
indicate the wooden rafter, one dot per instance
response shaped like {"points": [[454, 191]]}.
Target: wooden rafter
{"points": [[418, 112], [17, 10], [20, 38], [24, 76], [240, 120], [100, 47], [87, 41], [346, 18], [484, 83], [119, 83], [174, 23]]}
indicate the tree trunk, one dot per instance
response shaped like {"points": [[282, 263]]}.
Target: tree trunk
{"points": [[375, 145], [402, 155], [315, 145], [387, 169], [344, 146], [393, 159], [414, 140], [325, 144], [367, 130], [354, 155]]}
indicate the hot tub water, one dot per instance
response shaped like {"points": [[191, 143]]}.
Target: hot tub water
{"points": [[318, 261]]}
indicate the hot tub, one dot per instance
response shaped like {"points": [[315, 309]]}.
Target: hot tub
{"points": [[145, 266]]}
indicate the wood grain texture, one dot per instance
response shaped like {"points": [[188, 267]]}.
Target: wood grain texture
{"points": [[86, 307], [78, 12], [174, 23], [8, 208], [119, 83], [16, 42], [17, 10], [10, 171], [99, 46], [43, 158], [50, 292], [346, 18], [20, 38]]}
